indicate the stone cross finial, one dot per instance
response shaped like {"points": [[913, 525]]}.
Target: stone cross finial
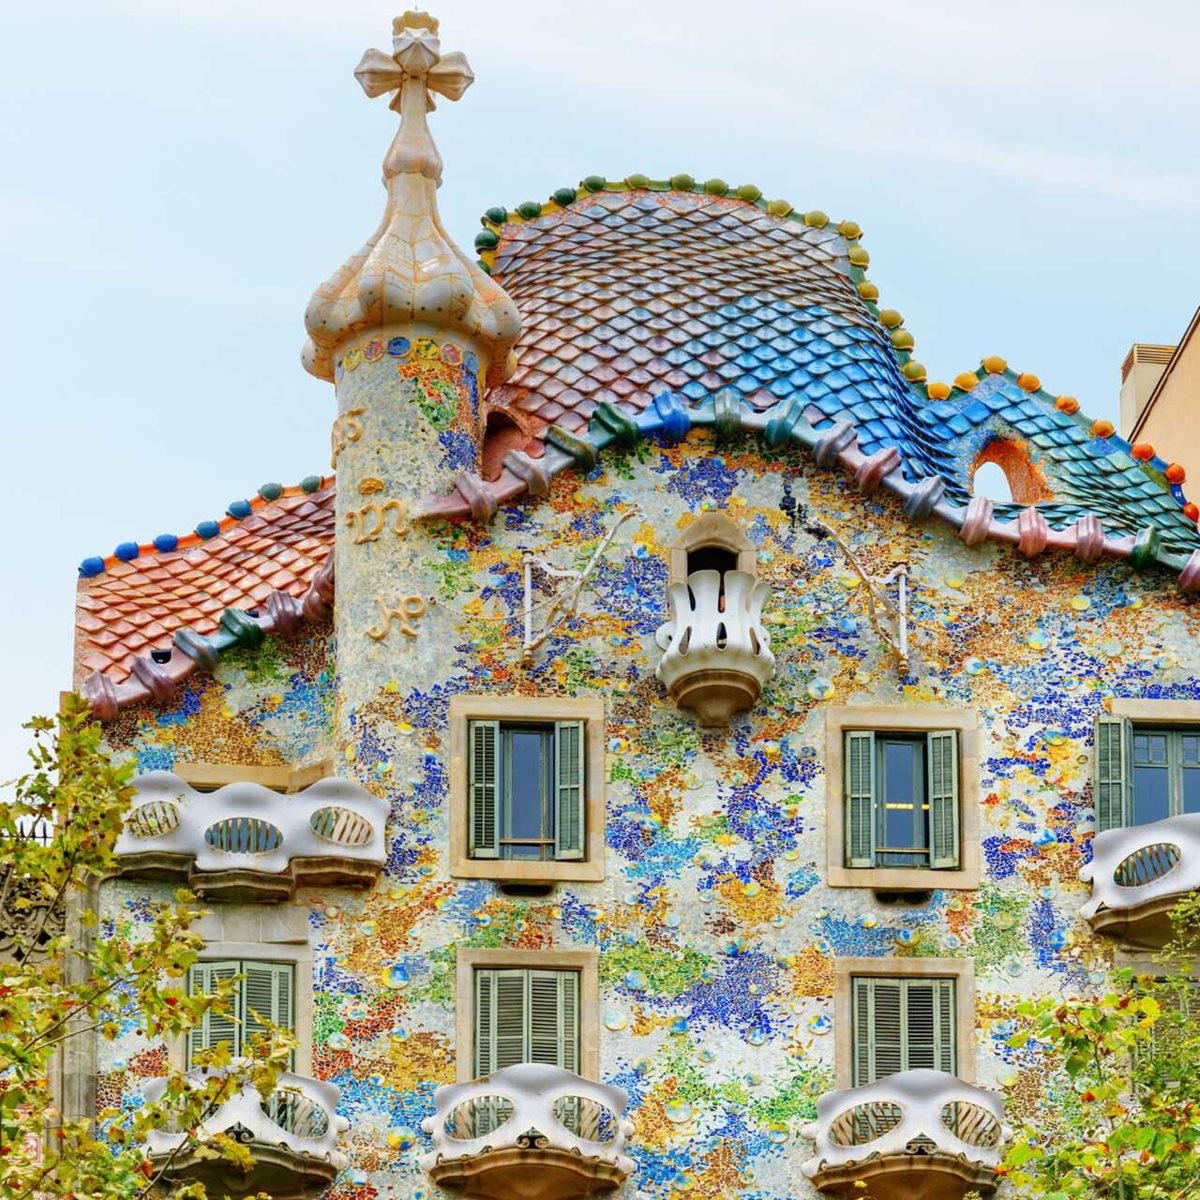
{"points": [[415, 69]]}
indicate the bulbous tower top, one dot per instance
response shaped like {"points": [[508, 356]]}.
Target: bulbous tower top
{"points": [[410, 272]]}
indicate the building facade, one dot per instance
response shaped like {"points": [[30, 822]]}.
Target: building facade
{"points": [[649, 768]]}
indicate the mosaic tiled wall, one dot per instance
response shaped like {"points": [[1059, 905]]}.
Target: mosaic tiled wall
{"points": [[716, 935]]}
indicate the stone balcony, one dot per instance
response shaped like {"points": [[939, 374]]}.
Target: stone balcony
{"points": [[717, 655], [528, 1132], [246, 843], [918, 1135], [1138, 874], [292, 1137]]}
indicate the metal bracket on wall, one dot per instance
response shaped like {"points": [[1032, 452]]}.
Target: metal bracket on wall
{"points": [[565, 600], [888, 618]]}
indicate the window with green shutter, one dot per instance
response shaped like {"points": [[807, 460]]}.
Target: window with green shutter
{"points": [[901, 1025], [265, 992], [1145, 773], [526, 1015], [526, 790], [902, 799]]}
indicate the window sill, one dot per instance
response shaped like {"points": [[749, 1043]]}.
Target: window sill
{"points": [[514, 871], [903, 879]]}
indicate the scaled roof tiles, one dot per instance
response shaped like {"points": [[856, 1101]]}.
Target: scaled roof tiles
{"points": [[146, 617]]}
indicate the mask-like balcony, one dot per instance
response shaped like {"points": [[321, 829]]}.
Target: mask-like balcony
{"points": [[245, 843], [717, 655], [292, 1137], [529, 1132], [918, 1135], [1138, 874]]}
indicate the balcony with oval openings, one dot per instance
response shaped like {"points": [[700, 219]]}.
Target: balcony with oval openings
{"points": [[244, 842], [716, 653], [292, 1136], [915, 1135], [529, 1132]]}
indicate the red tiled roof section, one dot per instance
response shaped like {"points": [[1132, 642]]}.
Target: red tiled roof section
{"points": [[138, 606]]}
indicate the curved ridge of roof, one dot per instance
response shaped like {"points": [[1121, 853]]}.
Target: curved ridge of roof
{"points": [[1070, 428], [832, 443], [168, 543]]}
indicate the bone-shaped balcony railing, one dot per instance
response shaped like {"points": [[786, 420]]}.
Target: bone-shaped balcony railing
{"points": [[299, 1117], [717, 655], [929, 1111], [333, 832], [1142, 865], [567, 1124]]}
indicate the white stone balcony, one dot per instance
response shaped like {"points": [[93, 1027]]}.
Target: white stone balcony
{"points": [[717, 655], [918, 1135], [529, 1132], [244, 842], [292, 1137], [1138, 874]]}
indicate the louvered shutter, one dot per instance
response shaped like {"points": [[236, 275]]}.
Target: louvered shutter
{"points": [[860, 799], [942, 755], [483, 753], [215, 1027], [1112, 773], [887, 1027], [485, 1023], [511, 1019], [569, 789], [861, 1066], [266, 996], [947, 1045]]}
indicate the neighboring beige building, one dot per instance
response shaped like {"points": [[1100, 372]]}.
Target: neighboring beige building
{"points": [[1160, 391]]}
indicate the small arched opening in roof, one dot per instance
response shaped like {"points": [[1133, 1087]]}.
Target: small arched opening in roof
{"points": [[500, 435], [1004, 472]]}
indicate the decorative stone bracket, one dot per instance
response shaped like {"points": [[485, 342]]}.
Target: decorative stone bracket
{"points": [[917, 1133], [293, 1136], [529, 1132], [1138, 874], [717, 653], [244, 842]]}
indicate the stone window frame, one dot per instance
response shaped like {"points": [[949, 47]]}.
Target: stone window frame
{"points": [[902, 718], [961, 970], [285, 779], [713, 529], [467, 708], [1139, 711], [260, 933], [584, 959]]}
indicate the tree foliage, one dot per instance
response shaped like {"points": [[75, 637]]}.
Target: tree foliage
{"points": [[60, 982], [1120, 1118]]}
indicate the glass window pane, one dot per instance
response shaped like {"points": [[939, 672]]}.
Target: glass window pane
{"points": [[1190, 801], [527, 775], [1190, 748], [905, 821], [1151, 794]]}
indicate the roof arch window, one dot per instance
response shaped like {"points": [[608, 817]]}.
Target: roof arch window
{"points": [[1004, 472]]}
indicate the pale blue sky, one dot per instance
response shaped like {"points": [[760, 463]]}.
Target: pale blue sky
{"points": [[175, 178]]}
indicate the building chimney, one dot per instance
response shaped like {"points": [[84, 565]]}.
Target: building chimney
{"points": [[1140, 372]]}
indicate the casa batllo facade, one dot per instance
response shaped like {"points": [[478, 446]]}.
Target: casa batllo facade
{"points": [[649, 768]]}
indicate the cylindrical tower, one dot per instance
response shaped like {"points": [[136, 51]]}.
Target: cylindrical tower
{"points": [[411, 331]]}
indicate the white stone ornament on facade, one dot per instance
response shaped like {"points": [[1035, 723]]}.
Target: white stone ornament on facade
{"points": [[921, 1111], [717, 654], [526, 1135], [1137, 874], [335, 828]]}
